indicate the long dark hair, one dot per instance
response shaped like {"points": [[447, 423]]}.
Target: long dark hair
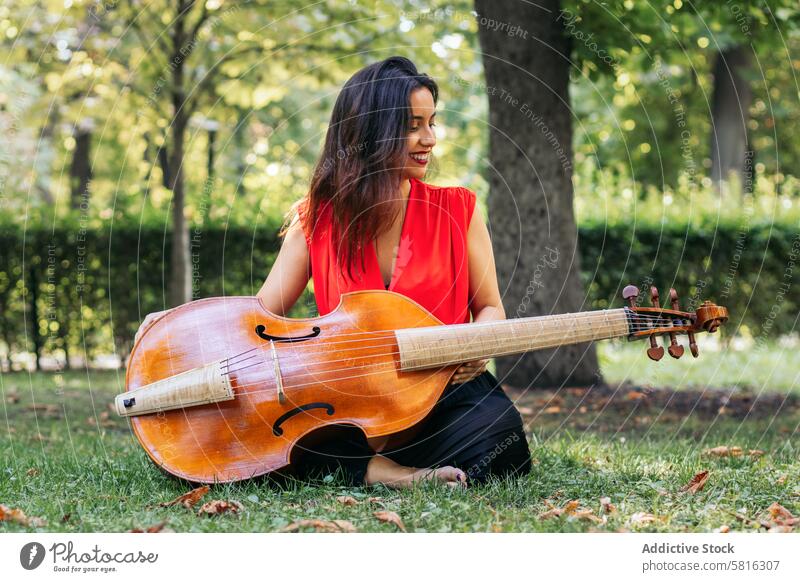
{"points": [[358, 173]]}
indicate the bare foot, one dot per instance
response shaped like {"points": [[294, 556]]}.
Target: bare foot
{"points": [[383, 470], [450, 476]]}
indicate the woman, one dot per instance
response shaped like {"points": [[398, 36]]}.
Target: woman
{"points": [[370, 222]]}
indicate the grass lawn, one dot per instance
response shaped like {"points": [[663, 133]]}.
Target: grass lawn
{"points": [[69, 460]]}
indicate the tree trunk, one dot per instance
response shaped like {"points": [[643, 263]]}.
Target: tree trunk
{"points": [[531, 196], [80, 171], [212, 138], [729, 116], [240, 151], [180, 283], [33, 308]]}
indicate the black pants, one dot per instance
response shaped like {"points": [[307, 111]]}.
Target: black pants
{"points": [[474, 426]]}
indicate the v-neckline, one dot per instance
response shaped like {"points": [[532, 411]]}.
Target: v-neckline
{"points": [[374, 245]]}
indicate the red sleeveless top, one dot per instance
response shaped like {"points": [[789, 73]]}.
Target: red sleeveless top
{"points": [[432, 265]]}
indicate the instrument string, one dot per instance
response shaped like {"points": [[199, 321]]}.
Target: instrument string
{"points": [[313, 346], [318, 372], [382, 368], [228, 368]]}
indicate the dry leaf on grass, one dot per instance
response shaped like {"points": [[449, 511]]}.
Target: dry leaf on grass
{"points": [[188, 500], [635, 395], [782, 516], [606, 506], [378, 500], [18, 516], [588, 515], [152, 529], [723, 529], [347, 500], [697, 482], [724, 451], [642, 518], [219, 506], [105, 420], [571, 508], [32, 472], [390, 517], [552, 410], [12, 397], [337, 525]]}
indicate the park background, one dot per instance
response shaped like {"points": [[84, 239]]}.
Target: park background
{"points": [[151, 150]]}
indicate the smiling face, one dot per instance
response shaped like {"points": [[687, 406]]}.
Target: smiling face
{"points": [[421, 136]]}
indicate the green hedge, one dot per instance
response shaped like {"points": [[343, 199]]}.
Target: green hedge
{"points": [[85, 291]]}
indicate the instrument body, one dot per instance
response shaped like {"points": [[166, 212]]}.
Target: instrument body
{"points": [[222, 390], [345, 374]]}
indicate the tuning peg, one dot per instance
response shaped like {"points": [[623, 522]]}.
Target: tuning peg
{"points": [[630, 293], [693, 344], [654, 352], [674, 349]]}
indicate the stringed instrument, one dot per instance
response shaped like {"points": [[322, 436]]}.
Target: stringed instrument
{"points": [[221, 390]]}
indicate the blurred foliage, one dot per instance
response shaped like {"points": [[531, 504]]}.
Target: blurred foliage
{"points": [[87, 290], [263, 77]]}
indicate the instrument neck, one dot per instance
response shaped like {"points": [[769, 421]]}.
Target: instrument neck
{"points": [[428, 347]]}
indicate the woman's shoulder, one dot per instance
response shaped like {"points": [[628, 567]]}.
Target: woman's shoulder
{"points": [[451, 198], [467, 195]]}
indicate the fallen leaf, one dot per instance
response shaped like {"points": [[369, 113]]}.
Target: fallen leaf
{"points": [[756, 453], [552, 410], [375, 500], [781, 529], [18, 516], [219, 506], [152, 529], [642, 518], [606, 506], [588, 514], [697, 482], [782, 516], [188, 500], [347, 500], [337, 525], [569, 508], [12, 397], [527, 410], [635, 395], [724, 451], [722, 529], [390, 517], [32, 472], [782, 479]]}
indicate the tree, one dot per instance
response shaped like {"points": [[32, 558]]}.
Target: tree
{"points": [[531, 200]]}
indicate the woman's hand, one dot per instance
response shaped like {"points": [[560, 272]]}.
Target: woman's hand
{"points": [[469, 370]]}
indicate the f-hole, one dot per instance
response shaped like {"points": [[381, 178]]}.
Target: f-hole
{"points": [[278, 431], [261, 332]]}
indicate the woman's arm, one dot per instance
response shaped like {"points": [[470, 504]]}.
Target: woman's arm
{"points": [[486, 303], [289, 274]]}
